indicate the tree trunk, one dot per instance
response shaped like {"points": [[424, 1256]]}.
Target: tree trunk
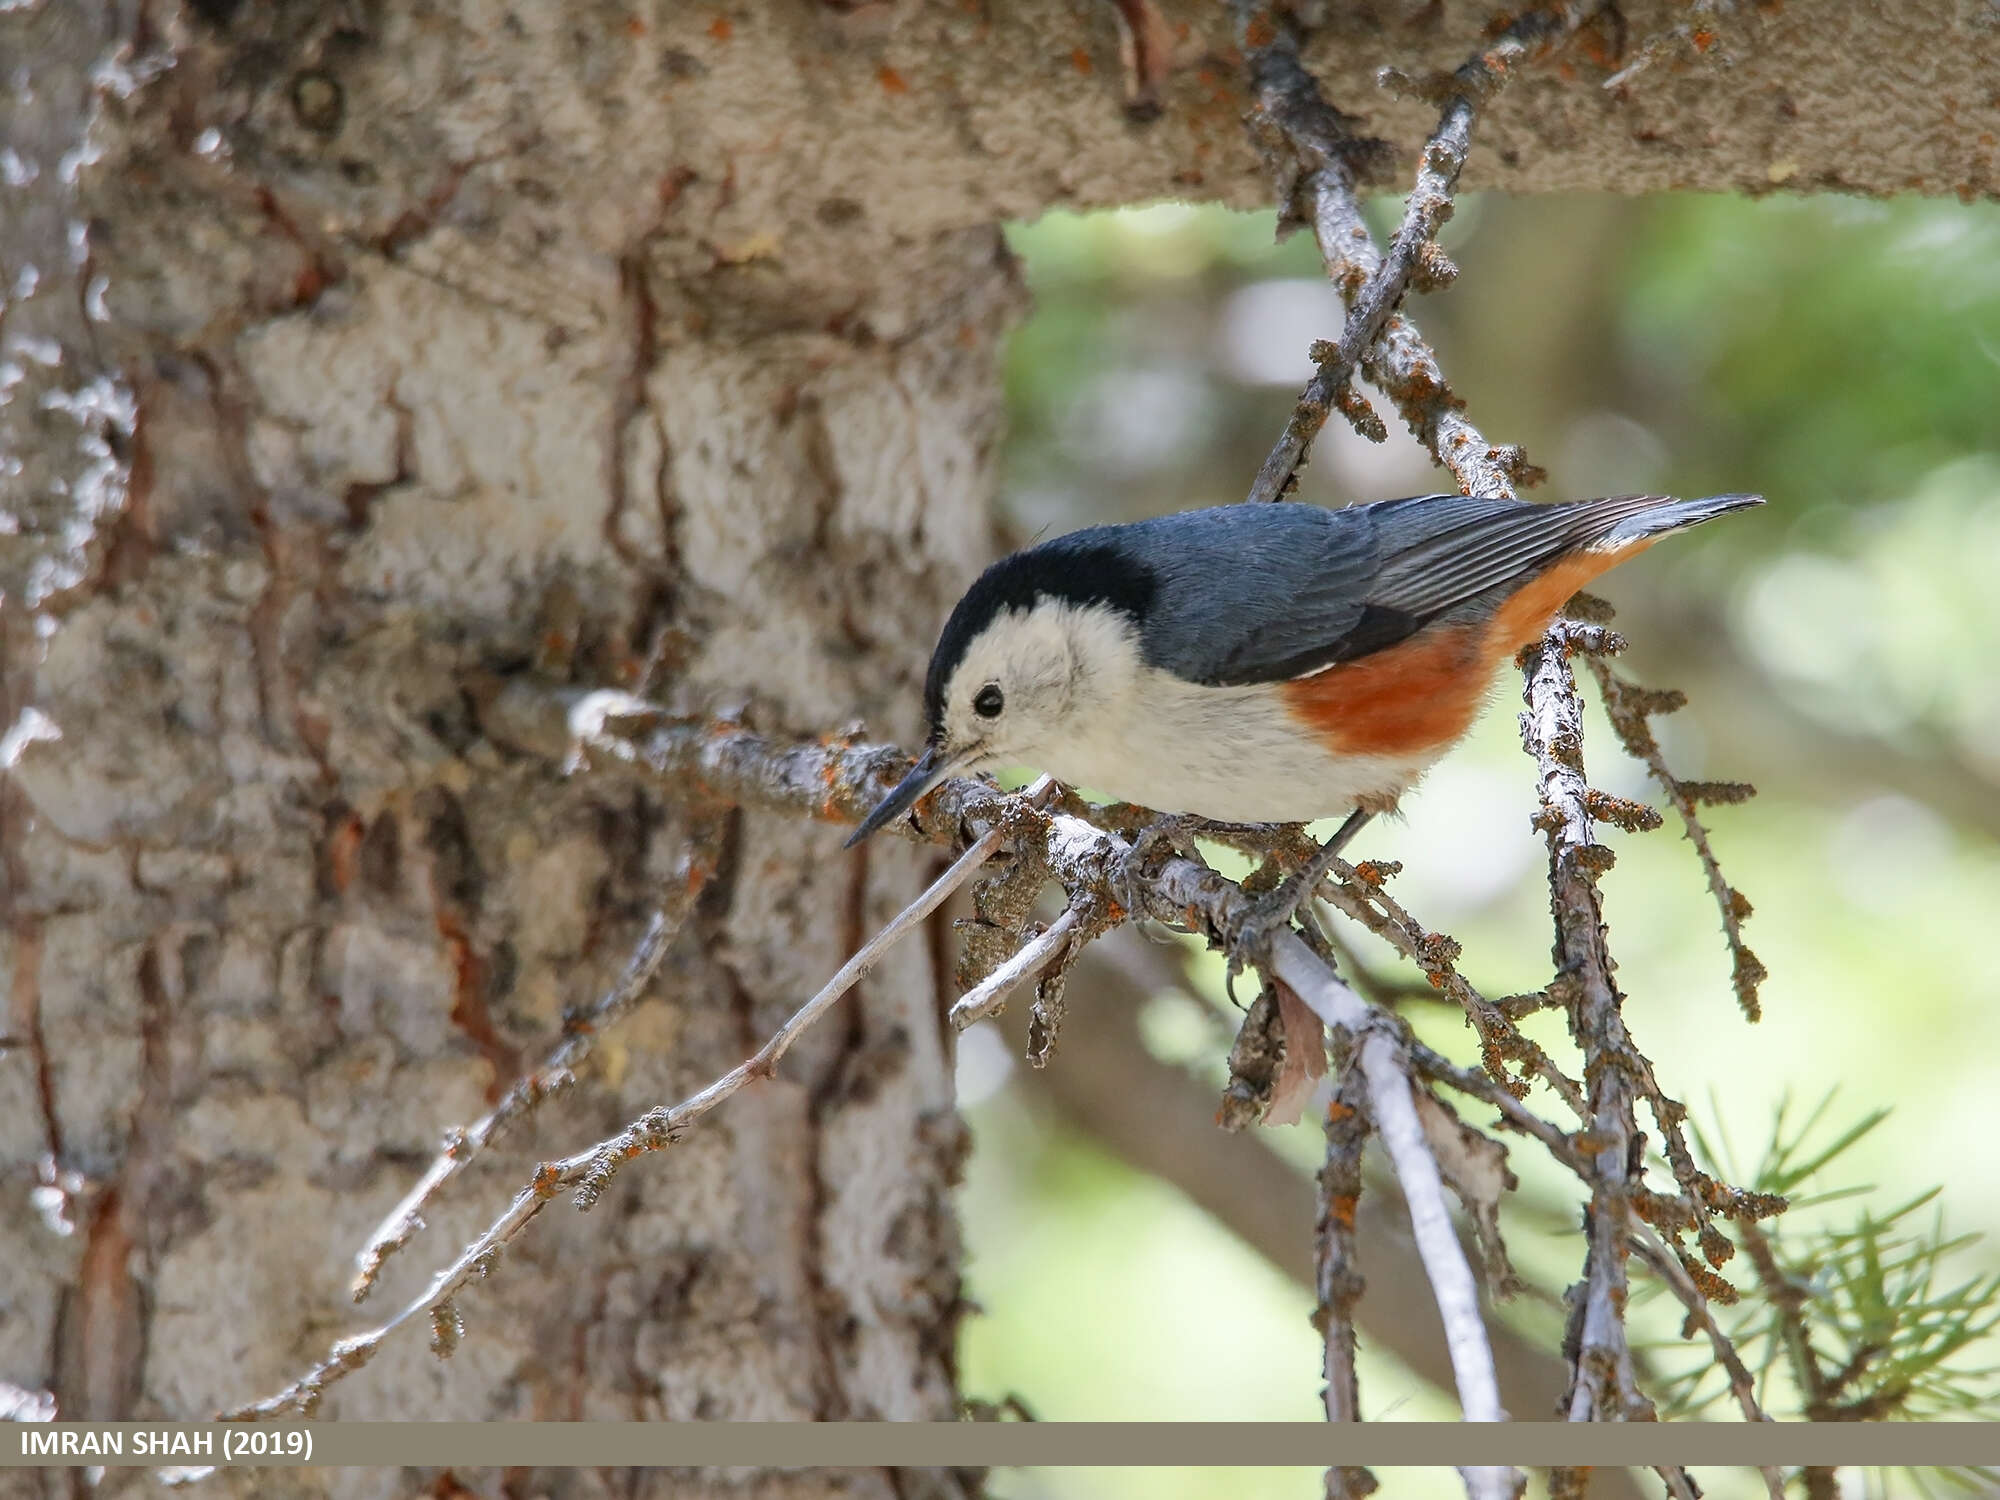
{"points": [[381, 421]]}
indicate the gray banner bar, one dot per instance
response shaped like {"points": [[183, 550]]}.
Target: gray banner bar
{"points": [[998, 1444]]}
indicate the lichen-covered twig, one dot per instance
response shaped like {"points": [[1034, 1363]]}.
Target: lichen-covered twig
{"points": [[1358, 892], [1381, 1055], [1315, 162], [1513, 1113], [1648, 1246], [1605, 1387], [1337, 1279], [1630, 707]]}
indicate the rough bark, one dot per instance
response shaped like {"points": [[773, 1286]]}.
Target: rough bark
{"points": [[275, 914], [352, 355]]}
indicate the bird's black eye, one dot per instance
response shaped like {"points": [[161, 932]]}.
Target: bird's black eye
{"points": [[988, 702]]}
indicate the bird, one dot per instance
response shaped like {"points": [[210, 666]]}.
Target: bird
{"points": [[1260, 662]]}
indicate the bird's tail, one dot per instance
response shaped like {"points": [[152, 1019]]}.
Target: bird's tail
{"points": [[1673, 515]]}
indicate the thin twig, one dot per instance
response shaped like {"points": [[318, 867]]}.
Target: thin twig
{"points": [[1743, 1385], [1788, 1300], [1337, 1279], [1629, 706], [1357, 891], [591, 1170], [581, 1034], [1440, 1069], [991, 992]]}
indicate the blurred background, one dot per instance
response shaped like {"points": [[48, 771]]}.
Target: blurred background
{"points": [[1838, 648]]}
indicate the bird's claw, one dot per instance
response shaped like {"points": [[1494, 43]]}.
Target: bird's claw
{"points": [[1249, 939], [1177, 832], [1246, 942]]}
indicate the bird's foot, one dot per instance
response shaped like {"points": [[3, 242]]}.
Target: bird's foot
{"points": [[1247, 941], [1177, 832]]}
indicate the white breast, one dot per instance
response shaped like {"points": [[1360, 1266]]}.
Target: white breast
{"points": [[1233, 754]]}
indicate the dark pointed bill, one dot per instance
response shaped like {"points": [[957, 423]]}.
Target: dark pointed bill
{"points": [[931, 768]]}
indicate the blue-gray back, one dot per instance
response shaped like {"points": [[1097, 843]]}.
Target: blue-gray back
{"points": [[1261, 593]]}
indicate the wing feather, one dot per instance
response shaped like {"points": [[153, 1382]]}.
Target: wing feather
{"points": [[1273, 592]]}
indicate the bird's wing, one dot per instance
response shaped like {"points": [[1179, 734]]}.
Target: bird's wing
{"points": [[1278, 591]]}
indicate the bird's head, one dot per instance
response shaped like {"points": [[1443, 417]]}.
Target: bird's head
{"points": [[1041, 637]]}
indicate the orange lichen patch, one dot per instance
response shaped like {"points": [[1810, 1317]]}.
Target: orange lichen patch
{"points": [[722, 28], [310, 282], [1528, 612], [1703, 39], [1080, 60], [343, 849], [1599, 42], [673, 184], [892, 82], [1411, 698]]}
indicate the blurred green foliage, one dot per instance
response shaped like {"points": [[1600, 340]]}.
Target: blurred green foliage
{"points": [[1841, 347], [1842, 357]]}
